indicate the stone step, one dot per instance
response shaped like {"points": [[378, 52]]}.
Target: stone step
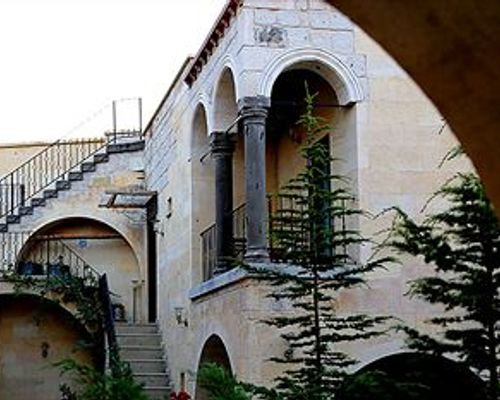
{"points": [[88, 166], [25, 210], [142, 366], [13, 219], [63, 185], [101, 158], [136, 328], [154, 379], [133, 339], [75, 176], [125, 147], [37, 202], [50, 194], [129, 353], [157, 392]]}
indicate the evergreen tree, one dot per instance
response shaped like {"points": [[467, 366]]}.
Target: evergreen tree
{"points": [[309, 235], [219, 384], [462, 243]]}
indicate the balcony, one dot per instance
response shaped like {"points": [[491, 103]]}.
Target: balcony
{"points": [[280, 209]]}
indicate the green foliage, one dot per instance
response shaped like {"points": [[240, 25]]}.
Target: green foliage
{"points": [[219, 384], [95, 385], [312, 239], [66, 288], [462, 244]]}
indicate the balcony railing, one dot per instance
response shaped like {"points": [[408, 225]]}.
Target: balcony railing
{"points": [[280, 210], [46, 257]]}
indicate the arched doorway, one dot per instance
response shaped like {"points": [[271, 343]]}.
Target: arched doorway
{"points": [[413, 376], [34, 334], [214, 351], [75, 242]]}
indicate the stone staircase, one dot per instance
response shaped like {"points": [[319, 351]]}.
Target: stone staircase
{"points": [[64, 184], [140, 346]]}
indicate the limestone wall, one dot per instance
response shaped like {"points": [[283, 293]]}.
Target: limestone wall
{"points": [[33, 337], [388, 135], [79, 209]]}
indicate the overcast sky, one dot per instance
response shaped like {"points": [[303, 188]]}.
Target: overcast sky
{"points": [[62, 60]]}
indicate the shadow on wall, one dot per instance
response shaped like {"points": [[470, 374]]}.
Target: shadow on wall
{"points": [[34, 334]]}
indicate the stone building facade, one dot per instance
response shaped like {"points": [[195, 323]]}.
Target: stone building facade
{"points": [[223, 137]]}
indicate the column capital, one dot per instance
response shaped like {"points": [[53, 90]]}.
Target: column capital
{"points": [[254, 106], [221, 144]]}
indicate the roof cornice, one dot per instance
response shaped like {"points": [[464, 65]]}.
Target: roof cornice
{"points": [[212, 41]]}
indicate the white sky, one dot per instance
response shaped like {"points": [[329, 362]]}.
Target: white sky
{"points": [[62, 60]]}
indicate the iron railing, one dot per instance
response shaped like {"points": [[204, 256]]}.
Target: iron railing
{"points": [[280, 211], [208, 252], [112, 349], [56, 161], [52, 256], [209, 242], [11, 245], [44, 257], [42, 170]]}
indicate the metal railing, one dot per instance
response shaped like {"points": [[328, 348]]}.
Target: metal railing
{"points": [[57, 160], [208, 252], [43, 257], [49, 256], [11, 245], [281, 214], [46, 256], [112, 349]]}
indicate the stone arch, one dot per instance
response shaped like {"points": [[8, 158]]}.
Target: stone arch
{"points": [[284, 137], [337, 73], [100, 245], [225, 116], [202, 187], [225, 100], [214, 350], [31, 345], [425, 376], [203, 101], [99, 217]]}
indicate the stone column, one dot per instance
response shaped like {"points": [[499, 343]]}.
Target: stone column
{"points": [[222, 148], [253, 112]]}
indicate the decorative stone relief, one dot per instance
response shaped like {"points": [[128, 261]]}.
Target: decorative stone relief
{"points": [[271, 36]]}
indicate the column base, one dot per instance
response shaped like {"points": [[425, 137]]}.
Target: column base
{"points": [[257, 255]]}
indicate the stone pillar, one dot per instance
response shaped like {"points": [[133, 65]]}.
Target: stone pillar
{"points": [[253, 112], [222, 148]]}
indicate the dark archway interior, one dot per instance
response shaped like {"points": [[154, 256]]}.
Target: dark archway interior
{"points": [[287, 99], [214, 351], [412, 376]]}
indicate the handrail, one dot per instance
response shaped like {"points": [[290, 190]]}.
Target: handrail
{"points": [[55, 162], [109, 324]]}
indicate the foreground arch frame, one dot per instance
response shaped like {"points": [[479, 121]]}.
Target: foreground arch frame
{"points": [[451, 49], [407, 375]]}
